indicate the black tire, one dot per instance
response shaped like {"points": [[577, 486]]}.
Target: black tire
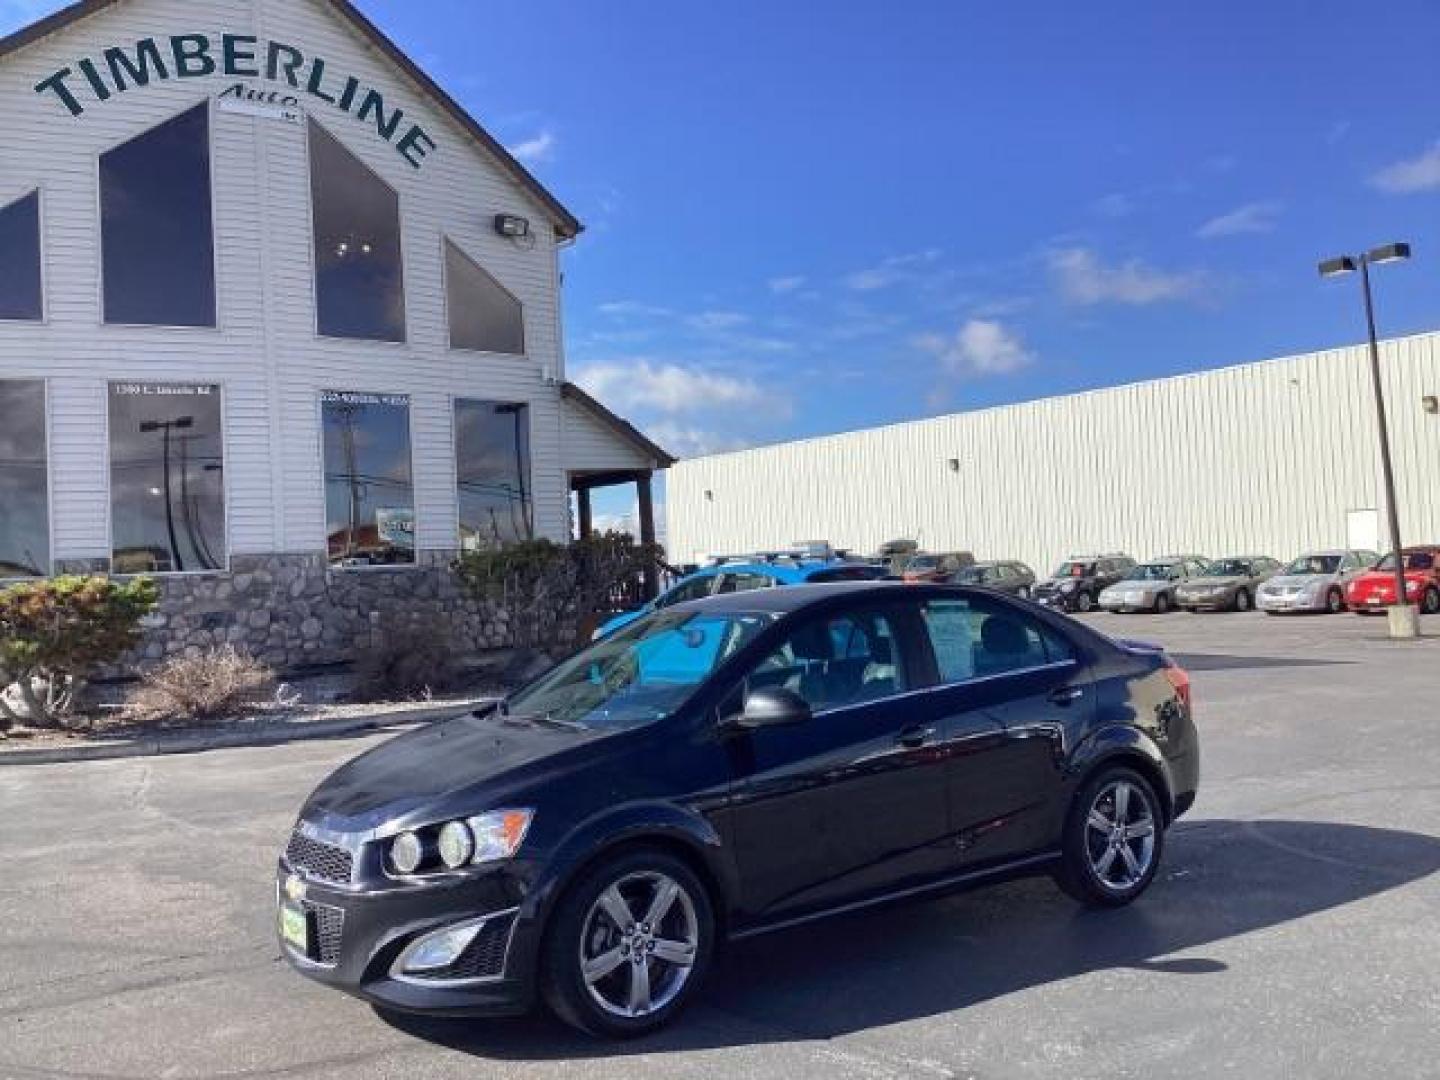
{"points": [[1242, 600], [1023, 592], [1430, 605], [1077, 874], [1162, 604], [1334, 601], [1084, 602], [562, 981]]}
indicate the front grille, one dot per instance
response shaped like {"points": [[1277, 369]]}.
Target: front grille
{"points": [[328, 924], [483, 958], [316, 859]]}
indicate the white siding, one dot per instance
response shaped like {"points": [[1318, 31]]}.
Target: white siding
{"points": [[1264, 458], [266, 353], [591, 446]]}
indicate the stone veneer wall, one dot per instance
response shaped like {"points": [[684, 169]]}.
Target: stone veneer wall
{"points": [[293, 610]]}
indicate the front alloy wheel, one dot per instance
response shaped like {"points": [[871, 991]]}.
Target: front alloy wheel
{"points": [[1113, 839], [1084, 602], [628, 945]]}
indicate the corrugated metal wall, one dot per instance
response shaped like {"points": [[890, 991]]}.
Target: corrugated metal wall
{"points": [[1264, 458]]}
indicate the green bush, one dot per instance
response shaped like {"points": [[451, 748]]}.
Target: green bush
{"points": [[54, 633], [552, 592]]}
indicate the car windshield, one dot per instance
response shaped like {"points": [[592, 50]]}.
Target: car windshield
{"points": [[923, 562], [1072, 569], [1228, 568], [974, 575], [1414, 560], [1152, 572], [1314, 564], [640, 674]]}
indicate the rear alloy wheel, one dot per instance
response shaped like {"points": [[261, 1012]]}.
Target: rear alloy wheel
{"points": [[628, 946], [1113, 839], [1334, 602], [1024, 592], [1162, 604], [1242, 600], [1430, 605]]}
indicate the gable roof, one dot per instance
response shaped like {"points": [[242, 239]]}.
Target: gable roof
{"points": [[564, 222], [627, 431]]}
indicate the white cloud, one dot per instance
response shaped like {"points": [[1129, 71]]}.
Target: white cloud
{"points": [[1085, 280], [1256, 217], [1115, 205], [536, 150], [781, 285], [891, 271], [626, 309], [1412, 175], [642, 383], [718, 320], [685, 441], [979, 347]]}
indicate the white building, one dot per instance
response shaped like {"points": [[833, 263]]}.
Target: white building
{"points": [[1266, 458], [275, 314]]}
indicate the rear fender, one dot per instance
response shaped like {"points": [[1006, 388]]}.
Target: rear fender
{"points": [[1125, 744]]}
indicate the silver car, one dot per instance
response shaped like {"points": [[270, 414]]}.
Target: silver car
{"points": [[1151, 586], [1315, 581]]}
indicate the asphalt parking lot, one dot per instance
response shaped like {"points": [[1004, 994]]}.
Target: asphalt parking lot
{"points": [[1294, 931]]}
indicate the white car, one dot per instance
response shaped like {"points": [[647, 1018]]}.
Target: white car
{"points": [[1314, 582], [1151, 586]]}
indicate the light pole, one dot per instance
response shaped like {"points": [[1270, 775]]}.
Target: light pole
{"points": [[1403, 615]]}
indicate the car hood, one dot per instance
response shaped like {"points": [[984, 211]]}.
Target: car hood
{"points": [[1139, 586], [1385, 577], [447, 762], [1298, 581], [1214, 583], [1051, 584]]}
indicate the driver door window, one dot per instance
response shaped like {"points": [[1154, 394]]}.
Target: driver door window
{"points": [[733, 583], [690, 590], [835, 662]]}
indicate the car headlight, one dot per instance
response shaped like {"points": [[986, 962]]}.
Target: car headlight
{"points": [[1412, 587], [406, 853], [457, 844], [1067, 586]]}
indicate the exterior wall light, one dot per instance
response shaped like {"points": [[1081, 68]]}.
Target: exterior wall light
{"points": [[1430, 403], [512, 225], [709, 496], [954, 464]]}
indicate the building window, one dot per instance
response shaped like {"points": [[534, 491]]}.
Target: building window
{"points": [[24, 480], [359, 273], [20, 286], [492, 468], [369, 495], [167, 479], [156, 227], [484, 316]]}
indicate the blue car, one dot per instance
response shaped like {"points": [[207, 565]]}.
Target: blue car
{"points": [[731, 577]]}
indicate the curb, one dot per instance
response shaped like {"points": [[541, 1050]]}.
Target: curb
{"points": [[227, 740]]}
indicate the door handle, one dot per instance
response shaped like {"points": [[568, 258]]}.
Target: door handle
{"points": [[1067, 695], [915, 736]]}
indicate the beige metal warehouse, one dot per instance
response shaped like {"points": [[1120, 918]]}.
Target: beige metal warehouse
{"points": [[1268, 457]]}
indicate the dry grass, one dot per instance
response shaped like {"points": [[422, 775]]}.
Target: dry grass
{"points": [[215, 685], [414, 658]]}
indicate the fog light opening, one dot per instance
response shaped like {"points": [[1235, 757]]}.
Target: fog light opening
{"points": [[440, 949]]}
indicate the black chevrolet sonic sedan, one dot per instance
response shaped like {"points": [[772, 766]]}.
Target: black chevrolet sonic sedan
{"points": [[727, 768]]}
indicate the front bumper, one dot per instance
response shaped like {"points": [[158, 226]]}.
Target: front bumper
{"points": [[1205, 602], [1128, 602], [1290, 602], [1056, 600], [357, 934]]}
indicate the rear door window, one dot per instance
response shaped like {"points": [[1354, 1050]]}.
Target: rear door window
{"points": [[733, 583], [689, 590], [974, 638]]}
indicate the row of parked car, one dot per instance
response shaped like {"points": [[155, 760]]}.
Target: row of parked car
{"points": [[1323, 581]]}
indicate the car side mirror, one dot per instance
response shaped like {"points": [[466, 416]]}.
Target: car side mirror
{"points": [[773, 706]]}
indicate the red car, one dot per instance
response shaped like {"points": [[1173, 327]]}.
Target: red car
{"points": [[1374, 590]]}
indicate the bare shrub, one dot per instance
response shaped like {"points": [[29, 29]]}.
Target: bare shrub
{"points": [[410, 658], [217, 684]]}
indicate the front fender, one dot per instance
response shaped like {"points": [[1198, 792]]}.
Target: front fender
{"points": [[629, 823]]}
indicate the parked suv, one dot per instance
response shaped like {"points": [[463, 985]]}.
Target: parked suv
{"points": [[1151, 586], [1014, 578], [1078, 582], [1315, 581]]}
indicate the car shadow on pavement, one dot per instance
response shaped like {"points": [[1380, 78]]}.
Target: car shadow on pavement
{"points": [[1219, 879], [1222, 662]]}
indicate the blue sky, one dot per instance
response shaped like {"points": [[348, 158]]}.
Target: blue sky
{"points": [[813, 216]]}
